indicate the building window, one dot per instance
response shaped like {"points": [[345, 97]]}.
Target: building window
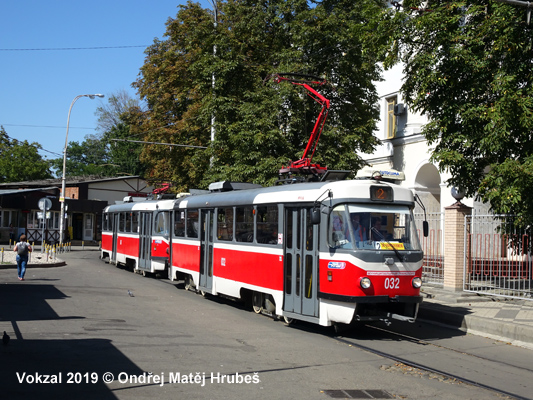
{"points": [[391, 118]]}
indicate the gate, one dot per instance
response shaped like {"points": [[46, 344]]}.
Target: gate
{"points": [[433, 247], [498, 257]]}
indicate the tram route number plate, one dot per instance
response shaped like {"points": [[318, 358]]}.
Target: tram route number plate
{"points": [[390, 246]]}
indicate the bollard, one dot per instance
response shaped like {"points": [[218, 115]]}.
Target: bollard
{"points": [[82, 244], [2, 255]]}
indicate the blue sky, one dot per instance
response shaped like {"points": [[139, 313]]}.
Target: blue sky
{"points": [[38, 86]]}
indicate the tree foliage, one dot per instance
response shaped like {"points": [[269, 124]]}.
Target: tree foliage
{"points": [[102, 155], [467, 67], [88, 158], [20, 161], [124, 154], [118, 104], [258, 125]]}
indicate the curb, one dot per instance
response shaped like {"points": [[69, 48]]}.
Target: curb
{"points": [[43, 265]]}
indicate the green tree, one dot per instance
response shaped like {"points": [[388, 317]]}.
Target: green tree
{"points": [[124, 153], [467, 67], [20, 161], [109, 114], [259, 126], [88, 158], [117, 121]]}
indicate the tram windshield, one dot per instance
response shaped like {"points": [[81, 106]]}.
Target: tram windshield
{"points": [[372, 227]]}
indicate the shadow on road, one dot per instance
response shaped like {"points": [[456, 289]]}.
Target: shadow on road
{"points": [[26, 365]]}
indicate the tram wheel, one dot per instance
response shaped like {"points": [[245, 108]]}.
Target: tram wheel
{"points": [[257, 302], [187, 283]]}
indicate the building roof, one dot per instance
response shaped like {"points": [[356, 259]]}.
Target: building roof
{"points": [[70, 180], [4, 192]]}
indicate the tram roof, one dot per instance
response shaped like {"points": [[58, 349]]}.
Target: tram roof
{"points": [[307, 192], [146, 205]]}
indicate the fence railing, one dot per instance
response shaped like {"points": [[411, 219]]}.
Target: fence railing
{"points": [[498, 257], [433, 247]]}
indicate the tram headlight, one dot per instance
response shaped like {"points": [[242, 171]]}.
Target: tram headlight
{"points": [[417, 282], [365, 283]]}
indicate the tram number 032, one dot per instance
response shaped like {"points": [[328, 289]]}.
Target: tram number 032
{"points": [[392, 283]]}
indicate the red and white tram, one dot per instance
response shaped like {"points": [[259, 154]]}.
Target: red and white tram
{"points": [[137, 234], [329, 252]]}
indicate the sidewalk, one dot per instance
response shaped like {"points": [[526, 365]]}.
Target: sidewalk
{"points": [[508, 320]]}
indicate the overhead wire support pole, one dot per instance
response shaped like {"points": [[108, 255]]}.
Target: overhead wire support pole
{"points": [[213, 80]]}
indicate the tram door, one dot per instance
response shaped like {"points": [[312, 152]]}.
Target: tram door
{"points": [[114, 229], [145, 240], [301, 262], [206, 250]]}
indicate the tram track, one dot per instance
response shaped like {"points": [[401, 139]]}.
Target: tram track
{"points": [[427, 343], [402, 360]]}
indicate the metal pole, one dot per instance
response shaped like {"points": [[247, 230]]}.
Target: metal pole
{"points": [[62, 197]]}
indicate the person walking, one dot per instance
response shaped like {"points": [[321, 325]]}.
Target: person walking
{"points": [[23, 249], [11, 234]]}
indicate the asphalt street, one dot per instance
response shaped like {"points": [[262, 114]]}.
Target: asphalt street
{"points": [[105, 333]]}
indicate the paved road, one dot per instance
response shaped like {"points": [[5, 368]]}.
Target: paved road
{"points": [[77, 323]]}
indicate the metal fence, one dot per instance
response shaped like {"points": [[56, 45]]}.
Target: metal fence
{"points": [[433, 247], [498, 257]]}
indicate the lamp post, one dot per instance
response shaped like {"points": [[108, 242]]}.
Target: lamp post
{"points": [[62, 197]]}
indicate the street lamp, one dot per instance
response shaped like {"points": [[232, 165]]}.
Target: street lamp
{"points": [[62, 197]]}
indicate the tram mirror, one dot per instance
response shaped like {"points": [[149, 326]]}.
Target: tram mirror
{"points": [[315, 216], [425, 228]]}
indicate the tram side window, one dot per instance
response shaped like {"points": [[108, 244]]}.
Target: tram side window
{"points": [[192, 223], [225, 223], [122, 222], [128, 222], [105, 222], [338, 227], [244, 224], [109, 218], [267, 224], [135, 222], [179, 223], [161, 223]]}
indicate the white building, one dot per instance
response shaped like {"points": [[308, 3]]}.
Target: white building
{"points": [[405, 149]]}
